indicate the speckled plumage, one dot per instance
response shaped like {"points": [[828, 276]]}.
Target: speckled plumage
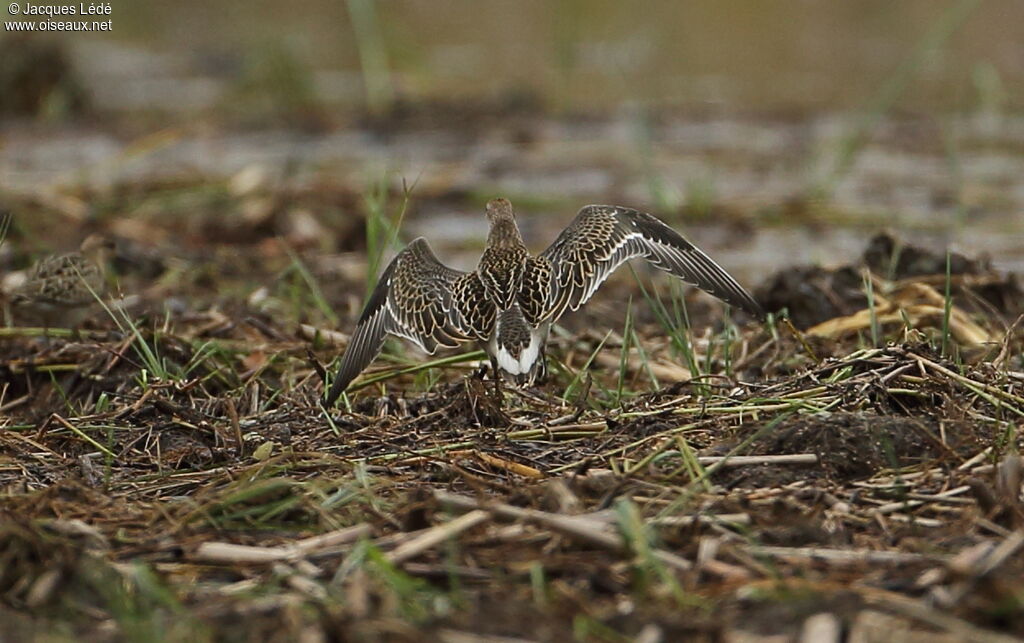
{"points": [[61, 288], [509, 302]]}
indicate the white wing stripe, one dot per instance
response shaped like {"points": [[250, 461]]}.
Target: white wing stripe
{"points": [[605, 237]]}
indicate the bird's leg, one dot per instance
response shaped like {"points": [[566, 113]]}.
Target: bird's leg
{"points": [[481, 372], [496, 374], [47, 338], [499, 393], [542, 368]]}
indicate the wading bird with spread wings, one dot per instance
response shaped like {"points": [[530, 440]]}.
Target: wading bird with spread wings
{"points": [[507, 305]]}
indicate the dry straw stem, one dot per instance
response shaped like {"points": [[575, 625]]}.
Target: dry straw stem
{"points": [[664, 371], [220, 552], [485, 458], [749, 460], [985, 390], [437, 535], [919, 611], [332, 337], [576, 527], [919, 303], [891, 603], [507, 465], [842, 557], [991, 557]]}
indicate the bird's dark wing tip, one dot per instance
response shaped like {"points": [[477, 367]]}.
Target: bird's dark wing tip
{"points": [[756, 310], [328, 400], [748, 304]]}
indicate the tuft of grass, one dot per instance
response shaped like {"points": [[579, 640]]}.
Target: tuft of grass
{"points": [[947, 308], [381, 233], [938, 34], [700, 196], [869, 291], [665, 197], [264, 500], [573, 385], [627, 336], [88, 438], [151, 361], [142, 606], [568, 20], [729, 335], [991, 89], [684, 498], [382, 228], [676, 325], [587, 628], [61, 392], [373, 55], [315, 293], [651, 573], [101, 404], [539, 585], [148, 354], [691, 464], [414, 599], [721, 341], [954, 165], [644, 360], [417, 368], [275, 84]]}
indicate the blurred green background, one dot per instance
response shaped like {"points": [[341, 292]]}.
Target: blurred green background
{"points": [[821, 118], [574, 55]]}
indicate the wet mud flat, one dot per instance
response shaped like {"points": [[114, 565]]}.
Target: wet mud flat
{"points": [[166, 471]]}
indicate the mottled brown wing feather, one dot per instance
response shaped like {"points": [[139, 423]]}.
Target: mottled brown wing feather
{"points": [[415, 298], [473, 312], [603, 237], [534, 295], [65, 280]]}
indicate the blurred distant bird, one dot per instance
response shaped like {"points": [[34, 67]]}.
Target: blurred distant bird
{"points": [[509, 302], [61, 289]]}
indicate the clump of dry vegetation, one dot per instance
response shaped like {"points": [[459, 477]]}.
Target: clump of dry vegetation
{"points": [[166, 471]]}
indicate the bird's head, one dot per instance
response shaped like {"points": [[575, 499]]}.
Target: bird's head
{"points": [[96, 242], [97, 248], [499, 210], [504, 231]]}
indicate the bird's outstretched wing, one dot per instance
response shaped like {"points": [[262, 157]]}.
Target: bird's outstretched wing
{"points": [[603, 237], [420, 299]]}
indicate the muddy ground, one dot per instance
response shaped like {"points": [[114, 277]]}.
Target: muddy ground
{"points": [[166, 472], [849, 470]]}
